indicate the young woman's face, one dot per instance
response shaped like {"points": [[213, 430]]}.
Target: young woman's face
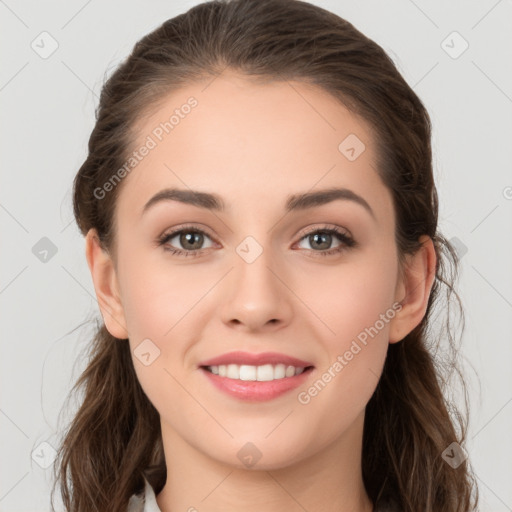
{"points": [[263, 275]]}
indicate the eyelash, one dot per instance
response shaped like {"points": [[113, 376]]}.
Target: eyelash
{"points": [[347, 242]]}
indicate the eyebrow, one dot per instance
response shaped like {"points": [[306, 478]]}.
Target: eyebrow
{"points": [[294, 202]]}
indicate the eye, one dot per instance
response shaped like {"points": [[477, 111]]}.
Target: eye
{"points": [[322, 238], [190, 238]]}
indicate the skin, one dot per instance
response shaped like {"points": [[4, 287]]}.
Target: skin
{"points": [[255, 144]]}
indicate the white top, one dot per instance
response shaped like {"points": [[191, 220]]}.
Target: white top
{"points": [[145, 502]]}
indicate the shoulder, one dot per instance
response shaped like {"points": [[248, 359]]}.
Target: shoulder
{"points": [[144, 502]]}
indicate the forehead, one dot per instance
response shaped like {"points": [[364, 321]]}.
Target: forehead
{"points": [[238, 138]]}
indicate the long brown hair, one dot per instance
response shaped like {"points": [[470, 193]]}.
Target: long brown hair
{"points": [[114, 440]]}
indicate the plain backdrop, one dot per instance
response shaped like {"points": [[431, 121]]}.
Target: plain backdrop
{"points": [[55, 56]]}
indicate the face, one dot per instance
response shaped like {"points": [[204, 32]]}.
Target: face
{"points": [[314, 280]]}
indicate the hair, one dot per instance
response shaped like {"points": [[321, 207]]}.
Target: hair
{"points": [[114, 440]]}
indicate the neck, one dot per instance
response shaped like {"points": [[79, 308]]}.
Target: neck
{"points": [[329, 480]]}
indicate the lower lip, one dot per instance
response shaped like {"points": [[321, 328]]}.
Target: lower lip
{"points": [[256, 391]]}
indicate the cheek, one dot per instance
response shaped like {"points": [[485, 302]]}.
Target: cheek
{"points": [[352, 296], [356, 353], [355, 305], [158, 293], [158, 301]]}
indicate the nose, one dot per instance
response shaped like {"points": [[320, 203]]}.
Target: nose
{"points": [[257, 297]]}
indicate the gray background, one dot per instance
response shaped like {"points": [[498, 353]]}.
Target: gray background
{"points": [[48, 113]]}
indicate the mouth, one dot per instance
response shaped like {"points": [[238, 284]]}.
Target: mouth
{"points": [[261, 373], [262, 383]]}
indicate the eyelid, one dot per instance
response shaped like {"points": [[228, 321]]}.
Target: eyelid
{"points": [[324, 226], [191, 227]]}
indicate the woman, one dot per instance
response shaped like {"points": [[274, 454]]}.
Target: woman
{"points": [[261, 229]]}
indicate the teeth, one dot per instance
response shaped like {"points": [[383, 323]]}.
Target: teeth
{"points": [[262, 373]]}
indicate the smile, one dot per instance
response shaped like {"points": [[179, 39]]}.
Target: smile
{"points": [[256, 383]]}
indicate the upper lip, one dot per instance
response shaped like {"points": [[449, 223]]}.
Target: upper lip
{"points": [[252, 359]]}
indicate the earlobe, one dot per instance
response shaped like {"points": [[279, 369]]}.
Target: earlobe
{"points": [[105, 284], [413, 290]]}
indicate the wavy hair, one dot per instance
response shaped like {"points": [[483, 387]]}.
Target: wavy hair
{"points": [[114, 439]]}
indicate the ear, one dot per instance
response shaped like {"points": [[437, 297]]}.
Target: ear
{"points": [[105, 283], [413, 290]]}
